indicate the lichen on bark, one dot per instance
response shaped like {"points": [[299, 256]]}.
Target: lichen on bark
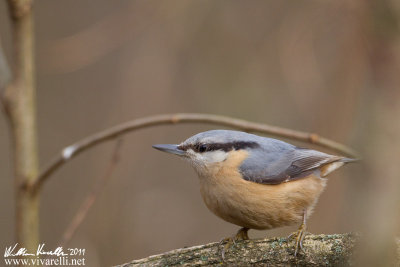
{"points": [[318, 250]]}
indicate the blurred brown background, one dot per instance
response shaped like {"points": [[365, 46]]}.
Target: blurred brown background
{"points": [[330, 67]]}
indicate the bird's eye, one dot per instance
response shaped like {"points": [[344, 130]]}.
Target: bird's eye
{"points": [[202, 148]]}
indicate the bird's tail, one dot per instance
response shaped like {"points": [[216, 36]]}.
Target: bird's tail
{"points": [[328, 168], [348, 160]]}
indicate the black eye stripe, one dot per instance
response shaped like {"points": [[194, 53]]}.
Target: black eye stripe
{"points": [[200, 147]]}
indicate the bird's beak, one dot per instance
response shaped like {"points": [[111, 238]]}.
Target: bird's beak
{"points": [[173, 149]]}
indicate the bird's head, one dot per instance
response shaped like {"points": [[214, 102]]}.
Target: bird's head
{"points": [[206, 149]]}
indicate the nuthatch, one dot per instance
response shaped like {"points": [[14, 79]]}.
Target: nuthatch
{"points": [[257, 182]]}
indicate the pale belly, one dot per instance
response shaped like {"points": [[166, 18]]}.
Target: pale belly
{"points": [[259, 206]]}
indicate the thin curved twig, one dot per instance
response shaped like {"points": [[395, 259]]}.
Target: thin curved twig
{"points": [[92, 196], [73, 150]]}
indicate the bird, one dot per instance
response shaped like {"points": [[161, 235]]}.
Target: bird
{"points": [[257, 182]]}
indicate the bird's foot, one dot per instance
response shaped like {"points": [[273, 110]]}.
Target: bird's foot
{"points": [[229, 241], [299, 235]]}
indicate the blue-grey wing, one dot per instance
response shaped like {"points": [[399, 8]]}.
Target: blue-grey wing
{"points": [[289, 163]]}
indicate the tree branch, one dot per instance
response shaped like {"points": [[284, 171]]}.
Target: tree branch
{"points": [[91, 197], [319, 250], [73, 150], [20, 107]]}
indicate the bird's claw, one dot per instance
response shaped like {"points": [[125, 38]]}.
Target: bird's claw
{"points": [[299, 234], [229, 241], [240, 235]]}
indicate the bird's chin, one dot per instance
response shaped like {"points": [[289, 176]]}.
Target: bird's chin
{"points": [[198, 166], [202, 169], [195, 164]]}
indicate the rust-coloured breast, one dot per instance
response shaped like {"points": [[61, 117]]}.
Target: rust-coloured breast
{"points": [[253, 205]]}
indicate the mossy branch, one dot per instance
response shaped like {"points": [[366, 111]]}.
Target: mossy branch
{"points": [[319, 250]]}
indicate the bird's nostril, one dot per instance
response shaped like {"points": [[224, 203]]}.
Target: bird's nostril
{"points": [[182, 147]]}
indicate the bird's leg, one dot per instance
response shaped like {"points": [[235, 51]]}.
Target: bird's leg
{"points": [[300, 234], [240, 235]]}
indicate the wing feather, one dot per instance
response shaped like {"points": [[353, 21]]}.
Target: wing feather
{"points": [[284, 166]]}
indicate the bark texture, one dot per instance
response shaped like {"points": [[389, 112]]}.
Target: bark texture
{"points": [[318, 250]]}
